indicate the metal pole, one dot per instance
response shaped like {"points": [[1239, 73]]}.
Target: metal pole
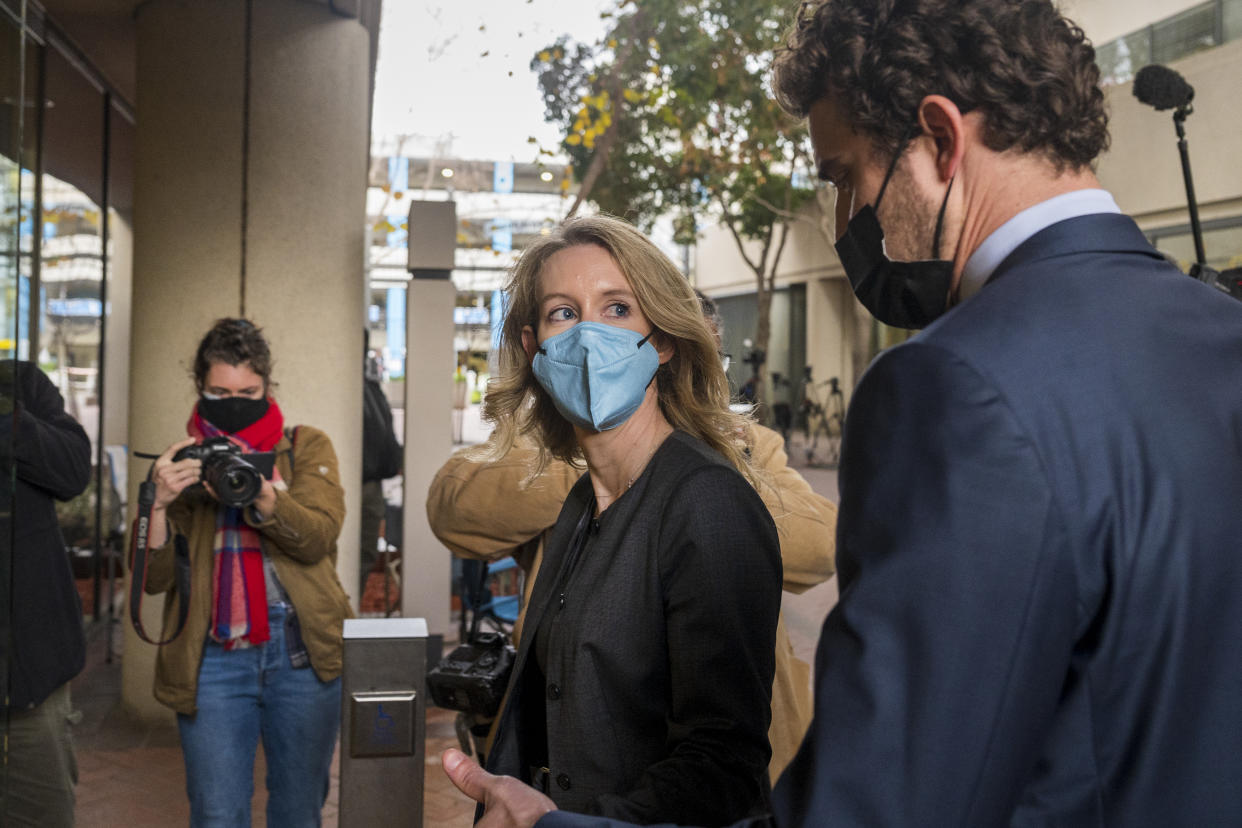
{"points": [[1179, 118]]}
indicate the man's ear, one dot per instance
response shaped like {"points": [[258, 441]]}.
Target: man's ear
{"points": [[529, 343], [944, 122]]}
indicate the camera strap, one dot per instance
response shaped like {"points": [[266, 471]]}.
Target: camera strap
{"points": [[138, 568]]}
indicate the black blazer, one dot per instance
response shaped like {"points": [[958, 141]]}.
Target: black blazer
{"points": [[1039, 547], [52, 458], [660, 655]]}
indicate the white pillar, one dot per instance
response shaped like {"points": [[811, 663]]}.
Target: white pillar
{"points": [[426, 566]]}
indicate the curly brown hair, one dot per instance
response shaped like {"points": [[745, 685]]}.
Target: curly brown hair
{"points": [[233, 342], [1030, 71]]}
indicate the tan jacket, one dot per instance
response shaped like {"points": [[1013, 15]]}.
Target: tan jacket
{"points": [[299, 536], [479, 510]]}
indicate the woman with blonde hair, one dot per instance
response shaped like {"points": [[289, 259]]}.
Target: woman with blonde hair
{"points": [[643, 677]]}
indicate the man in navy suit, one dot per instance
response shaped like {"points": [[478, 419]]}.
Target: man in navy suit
{"points": [[1040, 530]]}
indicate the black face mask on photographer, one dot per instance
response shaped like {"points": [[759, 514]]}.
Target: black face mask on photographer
{"points": [[231, 414], [900, 294]]}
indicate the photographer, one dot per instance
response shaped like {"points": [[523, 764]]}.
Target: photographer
{"points": [[260, 655]]}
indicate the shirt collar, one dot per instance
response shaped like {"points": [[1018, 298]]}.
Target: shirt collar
{"points": [[1006, 238]]}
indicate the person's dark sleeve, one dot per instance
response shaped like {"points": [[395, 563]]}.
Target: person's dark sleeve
{"points": [[721, 575], [938, 672], [51, 450]]}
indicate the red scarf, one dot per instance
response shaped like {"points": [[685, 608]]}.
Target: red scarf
{"points": [[239, 590]]}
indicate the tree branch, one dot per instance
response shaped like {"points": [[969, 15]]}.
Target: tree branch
{"points": [[599, 161], [727, 218], [788, 215]]}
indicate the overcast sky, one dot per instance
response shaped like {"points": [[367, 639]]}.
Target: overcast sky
{"points": [[458, 74]]}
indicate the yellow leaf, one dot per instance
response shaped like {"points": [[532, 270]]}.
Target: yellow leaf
{"points": [[574, 140], [632, 95], [612, 43], [544, 56]]}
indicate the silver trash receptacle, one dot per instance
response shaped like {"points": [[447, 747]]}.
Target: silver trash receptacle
{"points": [[382, 722]]}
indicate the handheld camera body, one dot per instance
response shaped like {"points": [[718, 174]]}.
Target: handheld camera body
{"points": [[235, 476]]}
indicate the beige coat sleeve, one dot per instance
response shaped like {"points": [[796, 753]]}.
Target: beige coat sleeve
{"points": [[482, 510], [805, 521], [308, 515]]}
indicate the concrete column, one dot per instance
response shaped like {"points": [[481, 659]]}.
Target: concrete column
{"points": [[830, 330], [249, 200]]}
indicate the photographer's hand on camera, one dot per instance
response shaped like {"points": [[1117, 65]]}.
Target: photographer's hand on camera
{"points": [[171, 479], [265, 503]]}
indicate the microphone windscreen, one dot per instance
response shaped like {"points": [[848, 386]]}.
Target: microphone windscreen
{"points": [[1161, 87]]}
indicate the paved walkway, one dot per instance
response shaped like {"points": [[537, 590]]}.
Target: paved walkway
{"points": [[131, 773]]}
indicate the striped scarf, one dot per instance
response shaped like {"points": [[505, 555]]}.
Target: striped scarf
{"points": [[239, 590]]}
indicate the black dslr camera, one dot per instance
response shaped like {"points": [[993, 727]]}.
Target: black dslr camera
{"points": [[234, 475], [473, 677]]}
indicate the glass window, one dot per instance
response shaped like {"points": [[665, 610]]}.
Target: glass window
{"points": [[1184, 33], [1231, 14], [1120, 59], [70, 286]]}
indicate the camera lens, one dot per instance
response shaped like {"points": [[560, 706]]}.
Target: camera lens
{"points": [[236, 482]]}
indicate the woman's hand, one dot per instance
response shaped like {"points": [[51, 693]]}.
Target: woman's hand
{"points": [[172, 478], [265, 503]]}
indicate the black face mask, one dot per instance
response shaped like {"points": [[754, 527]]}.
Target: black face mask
{"points": [[232, 414], [900, 294]]}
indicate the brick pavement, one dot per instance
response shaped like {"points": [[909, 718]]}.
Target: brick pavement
{"points": [[131, 775]]}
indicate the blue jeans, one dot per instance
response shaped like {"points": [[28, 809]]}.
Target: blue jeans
{"points": [[247, 694]]}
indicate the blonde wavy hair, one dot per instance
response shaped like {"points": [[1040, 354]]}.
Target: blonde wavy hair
{"points": [[692, 389]]}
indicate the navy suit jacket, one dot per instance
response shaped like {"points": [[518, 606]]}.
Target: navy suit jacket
{"points": [[1040, 557]]}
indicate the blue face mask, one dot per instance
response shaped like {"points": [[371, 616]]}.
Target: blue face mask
{"points": [[596, 374]]}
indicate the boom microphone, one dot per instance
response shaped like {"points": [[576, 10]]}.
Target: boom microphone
{"points": [[1162, 87]]}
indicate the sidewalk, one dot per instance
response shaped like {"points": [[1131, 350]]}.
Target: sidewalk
{"points": [[131, 773]]}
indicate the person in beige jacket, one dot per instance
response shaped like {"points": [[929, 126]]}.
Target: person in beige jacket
{"points": [[487, 511]]}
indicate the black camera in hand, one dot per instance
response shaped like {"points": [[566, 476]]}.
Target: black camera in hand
{"points": [[473, 677], [235, 476]]}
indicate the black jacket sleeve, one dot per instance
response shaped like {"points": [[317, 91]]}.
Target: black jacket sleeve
{"points": [[51, 450]]}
